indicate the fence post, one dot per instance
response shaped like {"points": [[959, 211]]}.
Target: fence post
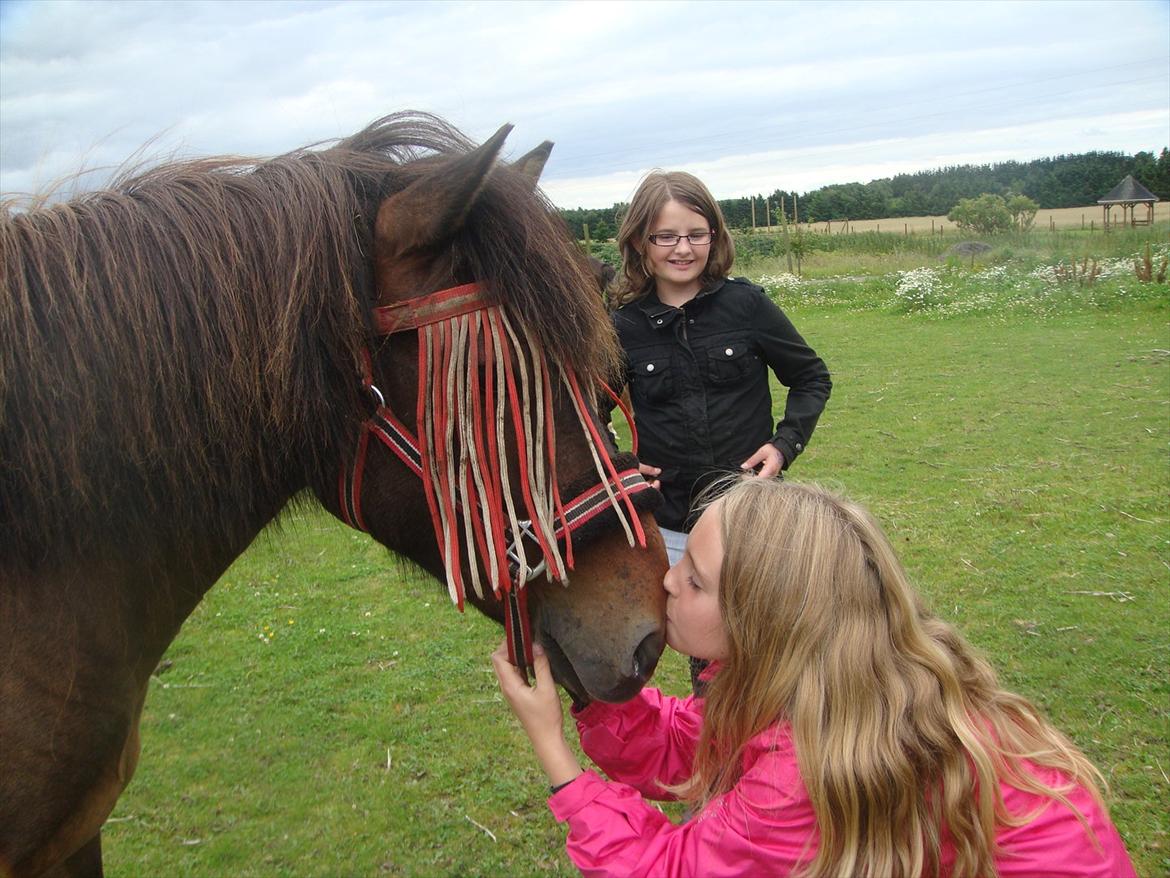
{"points": [[787, 240]]}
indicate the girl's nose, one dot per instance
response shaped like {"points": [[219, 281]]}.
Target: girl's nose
{"points": [[668, 581]]}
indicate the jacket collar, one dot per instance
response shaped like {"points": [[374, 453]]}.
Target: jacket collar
{"points": [[662, 315]]}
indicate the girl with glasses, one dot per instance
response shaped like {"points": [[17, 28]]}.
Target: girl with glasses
{"points": [[846, 730], [700, 348]]}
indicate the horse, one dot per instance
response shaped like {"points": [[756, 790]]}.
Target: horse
{"points": [[394, 325]]}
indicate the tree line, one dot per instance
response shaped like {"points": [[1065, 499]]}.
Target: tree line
{"points": [[1059, 181]]}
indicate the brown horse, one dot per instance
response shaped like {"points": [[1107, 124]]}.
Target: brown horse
{"points": [[186, 353]]}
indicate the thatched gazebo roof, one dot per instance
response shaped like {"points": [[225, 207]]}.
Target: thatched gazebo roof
{"points": [[1128, 191]]}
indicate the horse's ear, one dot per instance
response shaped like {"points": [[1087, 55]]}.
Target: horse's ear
{"points": [[433, 208], [531, 164]]}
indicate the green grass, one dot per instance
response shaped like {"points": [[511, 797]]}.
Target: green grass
{"points": [[327, 712]]}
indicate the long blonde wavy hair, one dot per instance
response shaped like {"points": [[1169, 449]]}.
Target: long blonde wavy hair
{"points": [[900, 727], [657, 188]]}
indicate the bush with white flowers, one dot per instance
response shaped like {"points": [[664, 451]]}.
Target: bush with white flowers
{"points": [[920, 288]]}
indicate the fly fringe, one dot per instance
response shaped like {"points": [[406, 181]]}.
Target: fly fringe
{"points": [[474, 376]]}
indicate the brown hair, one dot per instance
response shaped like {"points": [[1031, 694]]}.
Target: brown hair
{"points": [[901, 729], [653, 192], [178, 344]]}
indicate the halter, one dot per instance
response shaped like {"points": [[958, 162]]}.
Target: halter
{"points": [[465, 476]]}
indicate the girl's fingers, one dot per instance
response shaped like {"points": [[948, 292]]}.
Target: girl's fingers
{"points": [[512, 682], [769, 460], [506, 672]]}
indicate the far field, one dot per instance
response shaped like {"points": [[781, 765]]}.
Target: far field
{"points": [[1060, 218]]}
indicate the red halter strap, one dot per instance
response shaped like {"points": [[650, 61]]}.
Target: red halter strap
{"points": [[433, 308], [437, 308]]}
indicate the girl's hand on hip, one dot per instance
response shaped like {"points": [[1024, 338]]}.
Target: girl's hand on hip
{"points": [[768, 458], [651, 474]]}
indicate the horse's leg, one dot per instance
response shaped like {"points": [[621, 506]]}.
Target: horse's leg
{"points": [[77, 648], [72, 693], [73, 849]]}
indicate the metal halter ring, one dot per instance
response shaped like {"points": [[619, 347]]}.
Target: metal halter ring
{"points": [[514, 550], [377, 395]]}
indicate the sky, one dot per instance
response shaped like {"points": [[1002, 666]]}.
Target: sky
{"points": [[750, 96]]}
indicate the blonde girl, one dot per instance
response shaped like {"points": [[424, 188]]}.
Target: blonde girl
{"points": [[845, 730]]}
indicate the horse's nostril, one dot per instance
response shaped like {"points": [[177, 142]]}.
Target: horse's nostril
{"points": [[647, 654]]}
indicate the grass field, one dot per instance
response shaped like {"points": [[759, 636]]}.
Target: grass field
{"points": [[326, 712]]}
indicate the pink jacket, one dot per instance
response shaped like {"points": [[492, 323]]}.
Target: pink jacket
{"points": [[766, 824]]}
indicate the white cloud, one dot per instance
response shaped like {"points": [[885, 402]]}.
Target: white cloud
{"points": [[804, 169], [749, 92]]}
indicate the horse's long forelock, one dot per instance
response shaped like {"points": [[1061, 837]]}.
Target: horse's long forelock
{"points": [[196, 329]]}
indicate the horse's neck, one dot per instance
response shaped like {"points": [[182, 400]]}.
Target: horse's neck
{"points": [[125, 603], [189, 573]]}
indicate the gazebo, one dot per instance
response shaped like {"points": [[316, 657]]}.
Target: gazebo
{"points": [[1129, 193]]}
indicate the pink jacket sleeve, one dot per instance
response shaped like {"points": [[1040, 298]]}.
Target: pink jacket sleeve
{"points": [[762, 826], [644, 742], [1054, 843]]}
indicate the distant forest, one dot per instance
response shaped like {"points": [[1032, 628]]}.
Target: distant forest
{"points": [[1061, 181]]}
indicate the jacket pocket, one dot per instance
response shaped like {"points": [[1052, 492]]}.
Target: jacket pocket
{"points": [[730, 362], [651, 380]]}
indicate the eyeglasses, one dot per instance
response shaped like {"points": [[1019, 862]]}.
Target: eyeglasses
{"points": [[696, 239]]}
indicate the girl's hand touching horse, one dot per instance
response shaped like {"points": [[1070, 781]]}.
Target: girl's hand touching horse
{"points": [[539, 710]]}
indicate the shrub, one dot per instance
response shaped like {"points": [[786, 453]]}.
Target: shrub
{"points": [[987, 214], [1023, 210]]}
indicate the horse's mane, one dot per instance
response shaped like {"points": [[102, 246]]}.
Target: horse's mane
{"points": [[180, 349]]}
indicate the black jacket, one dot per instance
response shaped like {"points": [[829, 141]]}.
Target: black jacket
{"points": [[698, 380]]}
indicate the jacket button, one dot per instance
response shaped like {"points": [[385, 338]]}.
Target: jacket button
{"points": [[659, 321], [729, 352], [650, 366], [799, 447]]}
